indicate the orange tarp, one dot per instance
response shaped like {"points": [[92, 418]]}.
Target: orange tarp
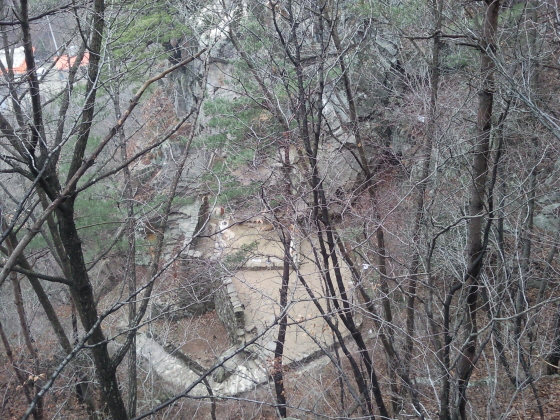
{"points": [[64, 62], [22, 68], [18, 60]]}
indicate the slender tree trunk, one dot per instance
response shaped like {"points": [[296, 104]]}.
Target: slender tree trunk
{"points": [[130, 268], [475, 249], [82, 294], [18, 299], [278, 368], [286, 239]]}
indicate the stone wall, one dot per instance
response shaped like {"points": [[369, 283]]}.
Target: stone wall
{"points": [[230, 310]]}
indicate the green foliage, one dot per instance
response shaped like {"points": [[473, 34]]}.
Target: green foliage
{"points": [[236, 125], [183, 201], [98, 216], [222, 182], [229, 118], [142, 23]]}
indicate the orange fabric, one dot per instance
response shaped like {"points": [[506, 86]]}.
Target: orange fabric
{"points": [[64, 62], [21, 69]]}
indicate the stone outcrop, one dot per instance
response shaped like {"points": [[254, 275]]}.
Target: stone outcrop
{"points": [[230, 310]]}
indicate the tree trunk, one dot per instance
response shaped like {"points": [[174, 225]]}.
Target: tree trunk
{"points": [[478, 191], [84, 299]]}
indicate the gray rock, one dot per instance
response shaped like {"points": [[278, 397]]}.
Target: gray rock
{"points": [[221, 374]]}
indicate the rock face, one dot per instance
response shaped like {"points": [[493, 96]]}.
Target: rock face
{"points": [[181, 228], [220, 375], [230, 310], [547, 218]]}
